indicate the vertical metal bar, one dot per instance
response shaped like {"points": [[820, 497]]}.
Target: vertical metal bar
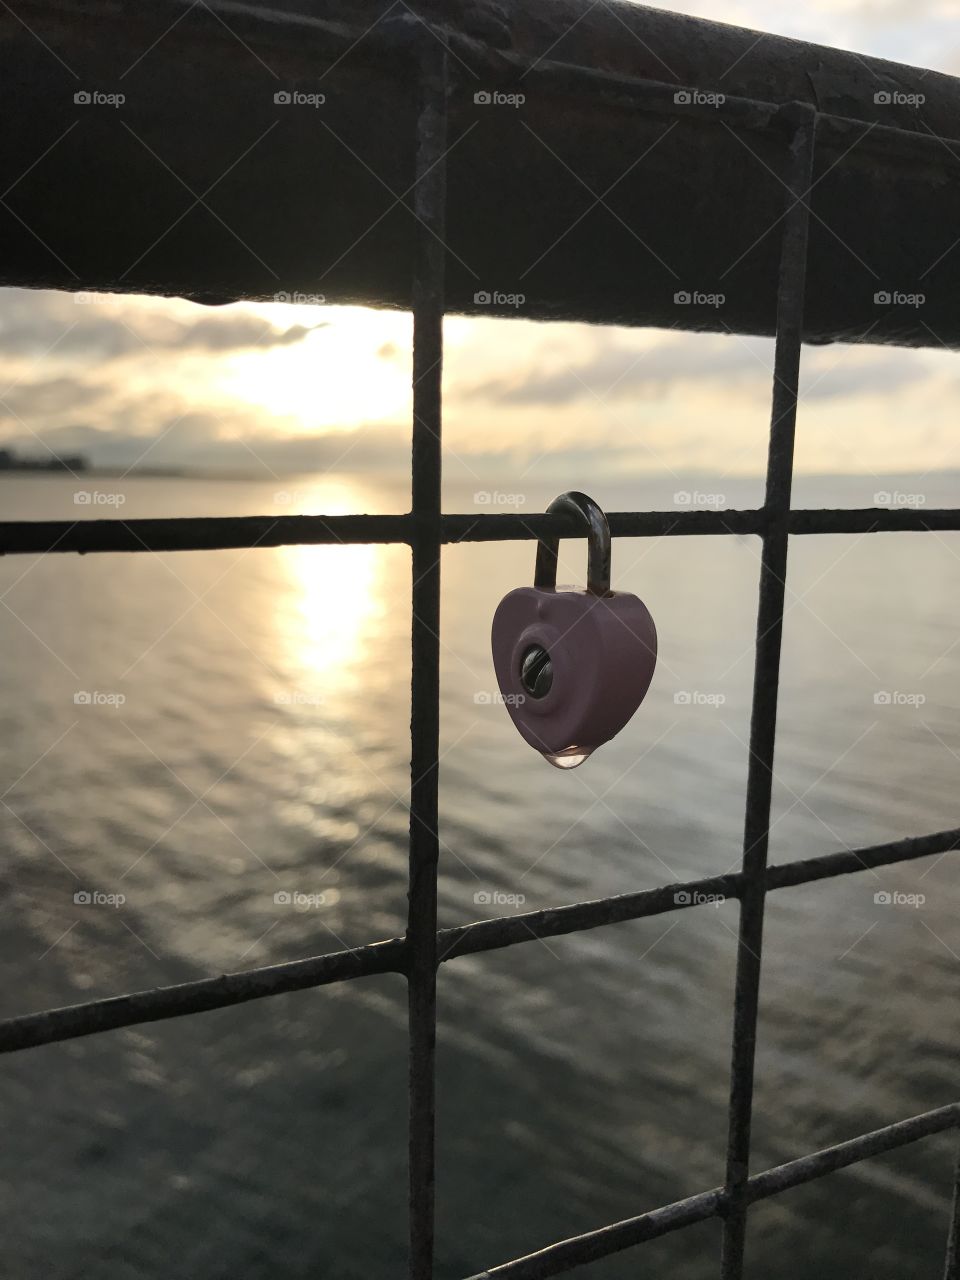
{"points": [[428, 304], [773, 569], [951, 1268]]}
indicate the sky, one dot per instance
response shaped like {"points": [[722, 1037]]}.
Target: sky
{"points": [[271, 388]]}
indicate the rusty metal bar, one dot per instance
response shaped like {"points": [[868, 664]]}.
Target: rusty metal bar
{"points": [[763, 723], [137, 1007], [555, 921], [211, 533], [182, 204], [951, 1266], [97, 1016], [421, 940], [593, 1245]]}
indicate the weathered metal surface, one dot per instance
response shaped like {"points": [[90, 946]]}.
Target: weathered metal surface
{"points": [[595, 199], [565, 1255], [393, 955], [198, 533]]}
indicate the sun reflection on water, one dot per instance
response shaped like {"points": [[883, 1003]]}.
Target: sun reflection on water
{"points": [[331, 617]]}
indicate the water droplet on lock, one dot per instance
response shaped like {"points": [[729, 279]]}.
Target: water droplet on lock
{"points": [[569, 758]]}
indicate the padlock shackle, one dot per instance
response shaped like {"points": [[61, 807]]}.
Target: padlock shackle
{"points": [[598, 534]]}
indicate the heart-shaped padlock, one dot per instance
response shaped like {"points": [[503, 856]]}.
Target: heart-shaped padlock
{"points": [[572, 665]]}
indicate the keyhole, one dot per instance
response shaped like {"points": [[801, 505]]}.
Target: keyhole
{"points": [[536, 671]]}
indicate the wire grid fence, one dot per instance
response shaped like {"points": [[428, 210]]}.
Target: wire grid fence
{"points": [[426, 529]]}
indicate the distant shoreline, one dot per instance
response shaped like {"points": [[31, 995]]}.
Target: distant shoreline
{"points": [[121, 473]]}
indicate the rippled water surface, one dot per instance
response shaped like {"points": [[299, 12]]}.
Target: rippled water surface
{"points": [[261, 748]]}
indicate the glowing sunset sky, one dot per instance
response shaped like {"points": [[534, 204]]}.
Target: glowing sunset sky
{"points": [[273, 388]]}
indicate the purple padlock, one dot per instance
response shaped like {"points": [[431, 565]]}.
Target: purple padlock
{"points": [[572, 665]]}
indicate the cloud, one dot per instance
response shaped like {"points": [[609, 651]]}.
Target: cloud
{"points": [[613, 371], [110, 327], [50, 398], [159, 434]]}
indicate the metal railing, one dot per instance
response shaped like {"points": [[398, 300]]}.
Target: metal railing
{"points": [[426, 529]]}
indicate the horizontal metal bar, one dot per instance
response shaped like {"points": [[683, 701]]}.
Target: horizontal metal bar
{"points": [[749, 114], [52, 1025], [473, 39], [808, 870], [198, 997], [507, 931], [200, 533], [596, 109], [817, 1165], [682, 523], [213, 533], [593, 1245]]}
